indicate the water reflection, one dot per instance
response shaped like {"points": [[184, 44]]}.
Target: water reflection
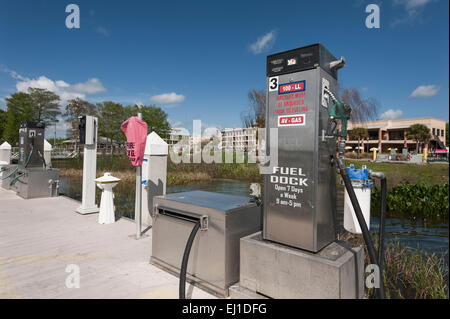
{"points": [[420, 234]]}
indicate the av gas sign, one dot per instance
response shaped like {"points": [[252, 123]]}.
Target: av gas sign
{"points": [[291, 120]]}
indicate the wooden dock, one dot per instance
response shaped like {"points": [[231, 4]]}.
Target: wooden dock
{"points": [[44, 242]]}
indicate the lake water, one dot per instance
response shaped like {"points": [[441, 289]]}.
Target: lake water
{"points": [[431, 237]]}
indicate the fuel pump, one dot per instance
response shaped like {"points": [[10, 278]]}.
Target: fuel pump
{"points": [[31, 177], [299, 208]]}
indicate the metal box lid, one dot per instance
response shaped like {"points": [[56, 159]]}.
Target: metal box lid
{"points": [[211, 200]]}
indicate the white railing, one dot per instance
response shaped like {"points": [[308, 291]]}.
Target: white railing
{"points": [[14, 152], [63, 152], [57, 152]]}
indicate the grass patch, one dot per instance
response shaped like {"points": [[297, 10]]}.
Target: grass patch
{"points": [[414, 274], [396, 173], [177, 174], [243, 171], [412, 173], [409, 273]]}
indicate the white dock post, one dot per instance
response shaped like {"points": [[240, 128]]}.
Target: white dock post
{"points": [[5, 154], [88, 205], [154, 173], [48, 153]]}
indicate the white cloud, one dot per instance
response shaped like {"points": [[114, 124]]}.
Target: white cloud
{"points": [[413, 4], [61, 129], [102, 31], [413, 8], [13, 73], [168, 98], [264, 42], [65, 90], [391, 114], [91, 86], [211, 130], [425, 91], [175, 124]]}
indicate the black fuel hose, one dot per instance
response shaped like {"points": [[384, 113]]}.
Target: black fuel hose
{"points": [[362, 223], [382, 221], [184, 263]]}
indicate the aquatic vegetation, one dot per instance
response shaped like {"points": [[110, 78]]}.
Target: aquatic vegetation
{"points": [[409, 273], [415, 200], [415, 274]]}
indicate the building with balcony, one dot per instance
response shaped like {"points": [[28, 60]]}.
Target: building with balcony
{"points": [[239, 139], [391, 134], [175, 135]]}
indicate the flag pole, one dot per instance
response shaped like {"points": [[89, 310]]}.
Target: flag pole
{"points": [[138, 198]]}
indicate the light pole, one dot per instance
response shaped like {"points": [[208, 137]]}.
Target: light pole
{"points": [[54, 137]]}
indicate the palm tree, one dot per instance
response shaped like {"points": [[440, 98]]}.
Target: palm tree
{"points": [[420, 133]]}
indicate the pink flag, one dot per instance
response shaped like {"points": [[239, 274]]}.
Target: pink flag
{"points": [[135, 130]]}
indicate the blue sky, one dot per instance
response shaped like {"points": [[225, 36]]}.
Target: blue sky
{"points": [[198, 60]]}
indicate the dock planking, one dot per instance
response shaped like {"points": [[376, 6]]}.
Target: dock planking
{"points": [[40, 240]]}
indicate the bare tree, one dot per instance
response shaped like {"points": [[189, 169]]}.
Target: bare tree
{"points": [[74, 109], [363, 110], [256, 112]]}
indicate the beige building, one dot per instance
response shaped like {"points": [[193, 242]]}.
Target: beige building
{"points": [[239, 139], [175, 135], [385, 134]]}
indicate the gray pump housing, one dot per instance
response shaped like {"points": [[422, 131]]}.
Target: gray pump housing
{"points": [[31, 140], [300, 192]]}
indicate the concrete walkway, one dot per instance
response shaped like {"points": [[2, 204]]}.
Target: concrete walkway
{"points": [[43, 242]]}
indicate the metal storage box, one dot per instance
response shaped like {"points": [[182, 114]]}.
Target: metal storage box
{"points": [[36, 182], [214, 258]]}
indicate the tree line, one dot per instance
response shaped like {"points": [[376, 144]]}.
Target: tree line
{"points": [[41, 105]]}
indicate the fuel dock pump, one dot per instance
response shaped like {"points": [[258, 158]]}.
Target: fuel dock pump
{"points": [[300, 189], [341, 112], [32, 177]]}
